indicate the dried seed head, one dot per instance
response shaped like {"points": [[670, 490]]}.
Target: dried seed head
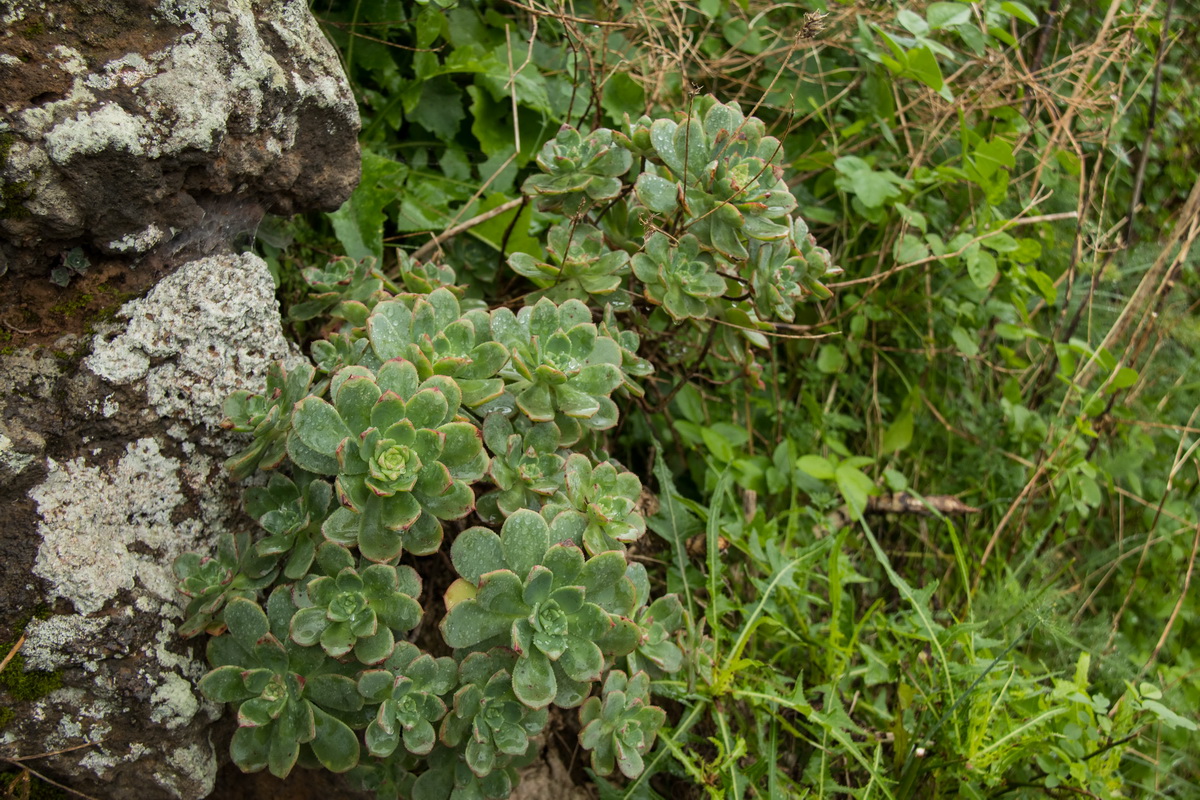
{"points": [[814, 23]]}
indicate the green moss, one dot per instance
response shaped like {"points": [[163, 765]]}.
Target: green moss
{"points": [[7, 351], [69, 307], [34, 29], [22, 685], [26, 686], [12, 195], [6, 716]]}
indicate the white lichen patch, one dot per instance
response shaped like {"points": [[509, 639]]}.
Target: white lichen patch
{"points": [[139, 242], [173, 703], [11, 460], [128, 70], [81, 718], [181, 106], [212, 327], [94, 517], [51, 644], [107, 127], [196, 763]]}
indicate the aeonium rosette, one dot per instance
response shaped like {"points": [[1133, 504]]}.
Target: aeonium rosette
{"points": [[531, 589], [402, 458]]}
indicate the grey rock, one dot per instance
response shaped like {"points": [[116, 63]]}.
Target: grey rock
{"points": [[114, 458], [165, 128]]}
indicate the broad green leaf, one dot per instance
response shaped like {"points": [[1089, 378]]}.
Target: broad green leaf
{"points": [[246, 620], [225, 685], [476, 551], [981, 267], [855, 487], [1167, 717], [965, 342], [830, 359], [899, 434], [524, 540], [912, 22], [923, 65], [943, 15], [816, 466], [358, 224], [992, 155], [623, 95], [717, 444], [1020, 11], [319, 426], [1124, 378]]}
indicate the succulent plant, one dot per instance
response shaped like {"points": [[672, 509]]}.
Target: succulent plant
{"points": [[580, 170], [268, 416], [343, 288], [583, 265], [291, 513], [559, 363], [486, 714], [525, 465], [533, 591], [403, 461], [632, 365], [620, 727], [416, 378], [388, 778], [340, 349], [236, 571], [660, 622], [606, 500], [348, 611], [786, 271], [449, 778], [407, 691], [724, 170], [678, 276], [286, 698], [440, 338], [423, 277]]}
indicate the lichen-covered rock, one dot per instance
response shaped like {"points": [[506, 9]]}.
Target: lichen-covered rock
{"points": [[110, 466], [164, 127]]}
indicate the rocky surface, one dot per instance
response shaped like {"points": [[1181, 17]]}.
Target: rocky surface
{"points": [[139, 142], [110, 467], [161, 129]]}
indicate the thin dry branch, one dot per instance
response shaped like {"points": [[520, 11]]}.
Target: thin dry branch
{"points": [[425, 250]]}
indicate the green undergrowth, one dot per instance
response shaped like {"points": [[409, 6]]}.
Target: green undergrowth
{"points": [[906, 342]]}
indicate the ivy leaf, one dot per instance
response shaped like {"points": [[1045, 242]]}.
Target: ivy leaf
{"points": [[622, 95], [358, 224], [992, 155], [440, 109]]}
